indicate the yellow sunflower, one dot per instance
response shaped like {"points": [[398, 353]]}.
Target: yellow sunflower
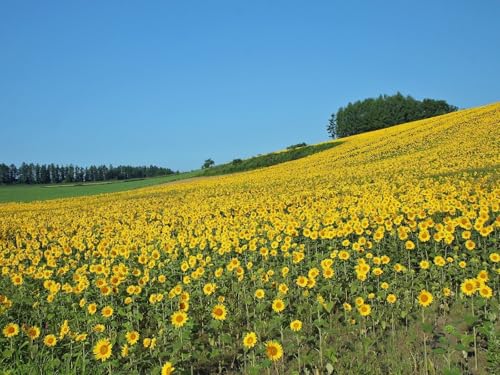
{"points": [[425, 298], [274, 350], [485, 291], [278, 305], [33, 332], [179, 318], [219, 312], [10, 330], [50, 340], [167, 369], [365, 309], [132, 337], [296, 325], [102, 350], [468, 287], [249, 340], [107, 312], [391, 298]]}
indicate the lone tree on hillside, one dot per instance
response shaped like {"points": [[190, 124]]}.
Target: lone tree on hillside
{"points": [[207, 164], [382, 112]]}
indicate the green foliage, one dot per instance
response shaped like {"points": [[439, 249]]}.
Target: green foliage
{"points": [[291, 147], [207, 164], [384, 111], [267, 160]]}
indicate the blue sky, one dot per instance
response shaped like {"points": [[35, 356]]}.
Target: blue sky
{"points": [[172, 83]]}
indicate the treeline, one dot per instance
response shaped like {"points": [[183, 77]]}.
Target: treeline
{"points": [[54, 174], [377, 113]]}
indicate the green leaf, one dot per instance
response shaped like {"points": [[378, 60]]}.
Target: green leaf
{"points": [[452, 371], [328, 306], [470, 319], [226, 339], [439, 351], [427, 327], [7, 353]]}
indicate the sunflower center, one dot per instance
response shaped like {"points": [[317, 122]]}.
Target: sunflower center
{"points": [[104, 349], [424, 298], [272, 351]]}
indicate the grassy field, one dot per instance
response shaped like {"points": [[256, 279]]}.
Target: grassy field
{"points": [[28, 193]]}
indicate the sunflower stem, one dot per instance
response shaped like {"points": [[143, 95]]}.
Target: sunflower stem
{"points": [[425, 344]]}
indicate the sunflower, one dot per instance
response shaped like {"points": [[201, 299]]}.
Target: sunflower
{"points": [[259, 293], [485, 291], [179, 318], [483, 276], [102, 350], [425, 298], [10, 330], [347, 307], [391, 298], [301, 281], [328, 273], [92, 308], [64, 330], [81, 337], [296, 325], [424, 264], [468, 287], [274, 350], [470, 245], [132, 337], [99, 328], [33, 332], [365, 309], [219, 312], [278, 305], [249, 340], [409, 245], [107, 311], [124, 351], [495, 257], [50, 340], [209, 288], [167, 369]]}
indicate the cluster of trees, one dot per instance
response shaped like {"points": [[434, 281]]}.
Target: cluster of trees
{"points": [[51, 173], [384, 111]]}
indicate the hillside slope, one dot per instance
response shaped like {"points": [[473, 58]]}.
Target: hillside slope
{"points": [[378, 246]]}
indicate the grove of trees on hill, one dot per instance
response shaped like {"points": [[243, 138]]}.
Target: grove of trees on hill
{"points": [[384, 111], [51, 173]]}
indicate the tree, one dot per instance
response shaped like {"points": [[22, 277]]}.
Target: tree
{"points": [[207, 164], [377, 113]]}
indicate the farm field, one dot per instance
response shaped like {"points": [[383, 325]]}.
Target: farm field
{"points": [[380, 255], [39, 192], [28, 193]]}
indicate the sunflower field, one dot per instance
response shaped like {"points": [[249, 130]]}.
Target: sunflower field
{"points": [[378, 256]]}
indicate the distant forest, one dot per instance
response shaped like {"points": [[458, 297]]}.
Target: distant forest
{"points": [[382, 112], [54, 174]]}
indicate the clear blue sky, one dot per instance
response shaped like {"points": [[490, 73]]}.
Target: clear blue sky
{"points": [[172, 83]]}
